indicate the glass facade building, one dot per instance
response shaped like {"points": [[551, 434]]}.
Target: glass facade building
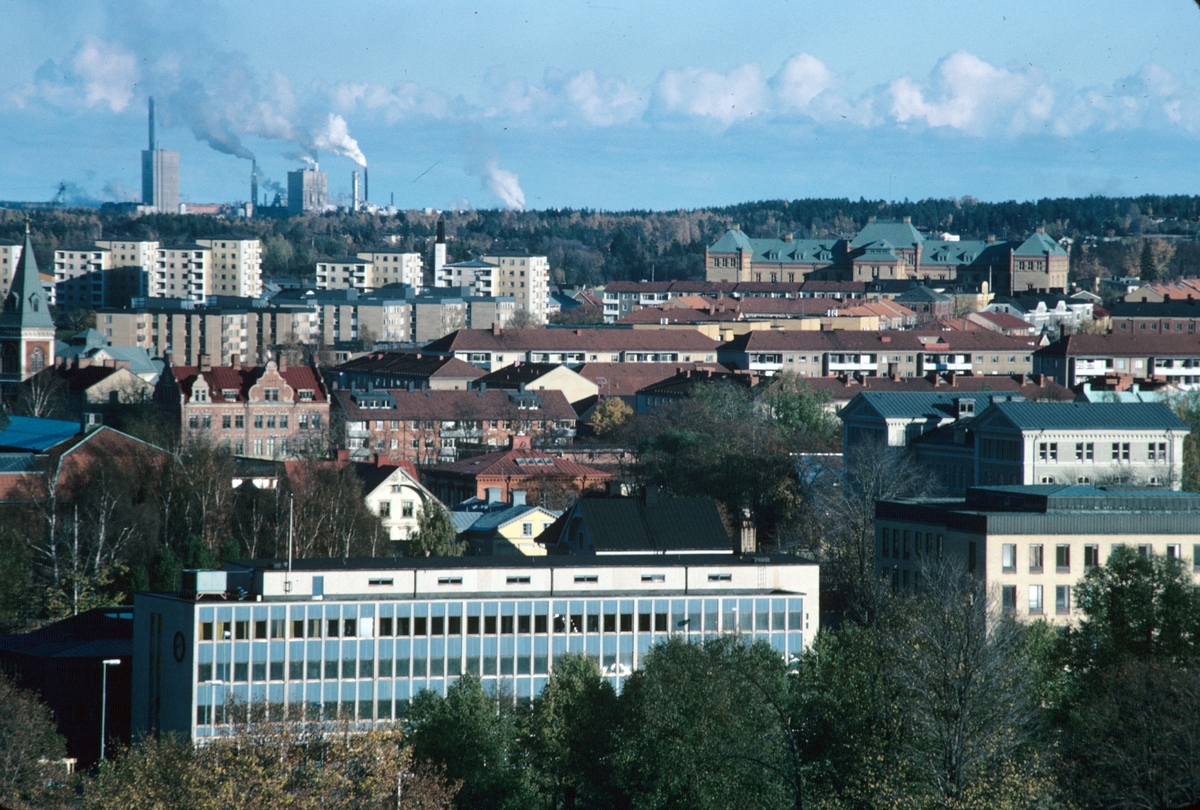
{"points": [[320, 656]]}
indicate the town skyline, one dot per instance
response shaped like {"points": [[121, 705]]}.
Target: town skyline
{"points": [[534, 106]]}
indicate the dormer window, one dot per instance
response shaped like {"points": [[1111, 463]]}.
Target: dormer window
{"points": [[230, 394], [306, 395], [202, 395], [271, 394]]}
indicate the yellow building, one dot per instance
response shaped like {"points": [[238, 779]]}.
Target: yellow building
{"points": [[502, 529]]}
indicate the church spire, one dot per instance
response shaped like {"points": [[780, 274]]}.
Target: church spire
{"points": [[26, 304]]}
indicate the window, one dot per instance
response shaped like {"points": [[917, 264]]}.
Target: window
{"points": [[260, 628], [239, 421], [1062, 559], [258, 422], [720, 577], [382, 583], [884, 544], [587, 578], [1062, 599], [521, 580], [1091, 557], [226, 422], [1035, 599], [1145, 549], [1035, 558], [449, 580], [1048, 451], [527, 530], [654, 577], [1008, 558], [385, 509], [1173, 551], [1008, 598], [1120, 451]]}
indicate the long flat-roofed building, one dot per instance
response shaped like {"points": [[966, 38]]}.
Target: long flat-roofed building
{"points": [[357, 639]]}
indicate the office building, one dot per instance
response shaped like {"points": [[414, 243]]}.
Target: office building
{"points": [[357, 639], [1032, 544]]}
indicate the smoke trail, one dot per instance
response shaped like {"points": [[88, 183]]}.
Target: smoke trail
{"points": [[334, 136], [505, 185]]}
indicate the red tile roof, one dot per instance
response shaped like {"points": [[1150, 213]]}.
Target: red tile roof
{"points": [[625, 379], [242, 378]]}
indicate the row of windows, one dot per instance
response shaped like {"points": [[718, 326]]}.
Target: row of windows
{"points": [[775, 618], [260, 421], [1086, 451], [895, 543]]}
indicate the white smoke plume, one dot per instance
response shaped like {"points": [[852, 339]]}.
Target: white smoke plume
{"points": [[505, 185], [334, 136]]}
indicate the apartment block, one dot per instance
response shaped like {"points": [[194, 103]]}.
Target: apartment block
{"points": [[1074, 359], [356, 641], [523, 277], [236, 266], [1032, 545], [10, 254], [431, 426], [394, 267], [869, 354]]}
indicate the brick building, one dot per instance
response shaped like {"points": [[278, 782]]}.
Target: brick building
{"points": [[271, 411]]}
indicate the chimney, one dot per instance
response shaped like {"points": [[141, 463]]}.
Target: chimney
{"points": [[787, 237], [517, 497], [439, 249], [282, 364], [153, 144], [870, 220], [991, 238], [354, 186], [906, 220], [253, 182], [492, 494], [366, 187], [496, 330], [520, 442], [205, 365], [235, 361]]}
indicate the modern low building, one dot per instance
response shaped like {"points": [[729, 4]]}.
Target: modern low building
{"points": [[1032, 544], [1074, 359], [357, 639]]}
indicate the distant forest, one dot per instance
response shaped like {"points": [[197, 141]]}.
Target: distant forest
{"points": [[1147, 235]]}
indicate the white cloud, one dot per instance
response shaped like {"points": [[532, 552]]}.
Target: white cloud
{"points": [[604, 102], [801, 79], [721, 97], [966, 93], [505, 185], [108, 71]]}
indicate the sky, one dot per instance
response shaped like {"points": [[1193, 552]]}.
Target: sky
{"points": [[605, 104]]}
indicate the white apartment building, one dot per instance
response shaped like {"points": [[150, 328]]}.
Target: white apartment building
{"points": [[236, 266], [10, 254], [394, 267], [181, 271], [524, 277], [131, 252]]}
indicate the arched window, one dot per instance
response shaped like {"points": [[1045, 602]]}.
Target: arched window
{"points": [[37, 361]]}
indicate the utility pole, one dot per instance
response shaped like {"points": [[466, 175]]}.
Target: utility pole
{"points": [[104, 665]]}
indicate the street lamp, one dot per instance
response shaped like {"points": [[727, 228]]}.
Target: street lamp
{"points": [[104, 665]]}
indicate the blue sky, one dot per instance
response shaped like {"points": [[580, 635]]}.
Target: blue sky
{"points": [[607, 104]]}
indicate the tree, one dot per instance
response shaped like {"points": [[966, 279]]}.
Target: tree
{"points": [[44, 395], [1136, 607], [571, 736], [1146, 265], [524, 319], [701, 728], [610, 413], [435, 535], [32, 768], [473, 736], [960, 668], [799, 411], [17, 599]]}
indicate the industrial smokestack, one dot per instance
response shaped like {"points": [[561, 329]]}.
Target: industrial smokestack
{"points": [[366, 187], [254, 182], [153, 146], [354, 185], [439, 255]]}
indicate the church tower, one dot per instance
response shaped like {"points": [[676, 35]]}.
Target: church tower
{"points": [[26, 329]]}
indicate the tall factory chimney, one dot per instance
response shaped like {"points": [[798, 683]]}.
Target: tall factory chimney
{"points": [[153, 145], [354, 185], [439, 255], [366, 187], [160, 174], [253, 183]]}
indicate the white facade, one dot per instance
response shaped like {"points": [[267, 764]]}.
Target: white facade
{"points": [[181, 271], [236, 266], [398, 501], [394, 267]]}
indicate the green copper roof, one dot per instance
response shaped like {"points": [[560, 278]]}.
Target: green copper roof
{"points": [[732, 242], [898, 234], [1039, 245], [26, 304]]}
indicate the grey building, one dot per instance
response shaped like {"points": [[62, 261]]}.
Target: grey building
{"points": [[308, 190], [160, 175]]}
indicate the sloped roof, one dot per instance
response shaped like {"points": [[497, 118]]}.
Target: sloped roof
{"points": [[517, 373], [32, 433], [100, 632], [1169, 308], [625, 379], [1038, 244], [924, 294], [418, 365], [670, 525], [488, 522], [918, 405], [894, 232], [26, 305], [1117, 343], [731, 242], [242, 378], [1086, 415], [521, 463], [373, 475]]}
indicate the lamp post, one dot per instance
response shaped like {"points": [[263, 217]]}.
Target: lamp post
{"points": [[104, 665]]}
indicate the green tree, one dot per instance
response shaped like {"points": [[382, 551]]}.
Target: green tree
{"points": [[571, 736], [799, 411], [435, 535], [702, 727], [1148, 269], [473, 736], [17, 604]]}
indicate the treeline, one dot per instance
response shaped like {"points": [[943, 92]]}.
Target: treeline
{"points": [[592, 247], [130, 517], [935, 699]]}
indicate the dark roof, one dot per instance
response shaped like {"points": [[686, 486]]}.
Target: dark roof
{"points": [[883, 341], [99, 633], [924, 295], [1169, 308], [683, 382], [918, 405], [372, 475], [417, 365], [625, 379], [1031, 387], [1086, 415], [516, 561], [668, 525], [513, 375], [26, 305]]}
